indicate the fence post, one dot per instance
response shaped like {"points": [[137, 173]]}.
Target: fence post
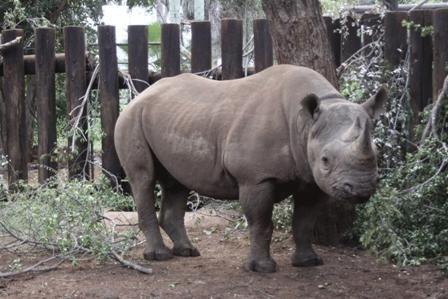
{"points": [[46, 101], [138, 55], [110, 99], [395, 37], [170, 50], [232, 48], [334, 37], [75, 67], [350, 42], [440, 48], [14, 97], [420, 72], [201, 46], [262, 45]]}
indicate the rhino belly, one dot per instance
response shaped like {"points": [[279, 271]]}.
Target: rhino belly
{"points": [[194, 162]]}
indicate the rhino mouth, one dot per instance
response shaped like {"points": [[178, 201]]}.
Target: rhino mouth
{"points": [[355, 194]]}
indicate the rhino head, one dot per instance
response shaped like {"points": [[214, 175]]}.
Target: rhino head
{"points": [[340, 151]]}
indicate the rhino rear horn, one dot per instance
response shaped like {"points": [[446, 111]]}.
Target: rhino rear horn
{"points": [[375, 105], [354, 131], [311, 104], [364, 141]]}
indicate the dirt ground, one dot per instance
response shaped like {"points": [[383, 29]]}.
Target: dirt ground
{"points": [[218, 273]]}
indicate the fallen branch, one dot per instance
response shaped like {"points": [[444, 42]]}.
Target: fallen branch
{"points": [[10, 44], [130, 264], [35, 267]]}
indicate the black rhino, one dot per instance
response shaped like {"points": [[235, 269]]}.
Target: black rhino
{"points": [[285, 130]]}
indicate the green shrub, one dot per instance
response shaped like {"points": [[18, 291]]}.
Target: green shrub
{"points": [[407, 219], [66, 217]]}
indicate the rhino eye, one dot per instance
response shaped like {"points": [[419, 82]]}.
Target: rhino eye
{"points": [[325, 160]]}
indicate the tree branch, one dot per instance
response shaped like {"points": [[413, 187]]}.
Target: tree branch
{"points": [[10, 44], [431, 126], [130, 264], [34, 268]]}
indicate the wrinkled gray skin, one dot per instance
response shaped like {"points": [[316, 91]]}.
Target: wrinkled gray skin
{"points": [[283, 131]]}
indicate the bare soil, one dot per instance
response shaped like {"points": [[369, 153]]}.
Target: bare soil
{"points": [[218, 273]]}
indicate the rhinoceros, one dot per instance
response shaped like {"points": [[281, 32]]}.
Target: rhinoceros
{"points": [[283, 131]]}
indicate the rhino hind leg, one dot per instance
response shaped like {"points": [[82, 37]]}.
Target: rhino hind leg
{"points": [[138, 163], [174, 199], [304, 219], [257, 202]]}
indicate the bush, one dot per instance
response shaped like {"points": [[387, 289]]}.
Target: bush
{"points": [[66, 217], [406, 221]]}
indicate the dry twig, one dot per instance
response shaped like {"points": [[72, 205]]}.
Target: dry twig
{"points": [[10, 44], [431, 126]]}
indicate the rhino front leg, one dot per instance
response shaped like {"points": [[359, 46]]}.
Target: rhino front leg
{"points": [[257, 202], [304, 219]]}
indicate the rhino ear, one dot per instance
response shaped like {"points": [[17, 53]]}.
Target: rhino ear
{"points": [[311, 105], [375, 105]]}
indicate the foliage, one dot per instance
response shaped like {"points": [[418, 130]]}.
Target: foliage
{"points": [[67, 218], [15, 13], [406, 220], [282, 215]]}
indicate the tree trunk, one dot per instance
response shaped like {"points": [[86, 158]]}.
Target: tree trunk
{"points": [[299, 35]]}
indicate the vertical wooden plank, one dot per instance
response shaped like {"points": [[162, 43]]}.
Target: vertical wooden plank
{"points": [[138, 55], [395, 38], [170, 50], [350, 41], [45, 100], [263, 52], [201, 46], [440, 50], [427, 60], [334, 36], [14, 93], [232, 48], [110, 100], [420, 73], [75, 67]]}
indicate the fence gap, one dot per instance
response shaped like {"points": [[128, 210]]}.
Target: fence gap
{"points": [[75, 67], [138, 55], [350, 40], [14, 97], [45, 101], [170, 50], [201, 46], [263, 53], [110, 100], [232, 48]]}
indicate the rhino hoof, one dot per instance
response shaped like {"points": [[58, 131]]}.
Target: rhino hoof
{"points": [[186, 251], [264, 266], [158, 255], [308, 261]]}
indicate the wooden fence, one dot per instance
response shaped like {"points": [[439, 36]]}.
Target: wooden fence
{"points": [[425, 81]]}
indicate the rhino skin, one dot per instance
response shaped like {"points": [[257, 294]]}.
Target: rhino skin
{"points": [[283, 131]]}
